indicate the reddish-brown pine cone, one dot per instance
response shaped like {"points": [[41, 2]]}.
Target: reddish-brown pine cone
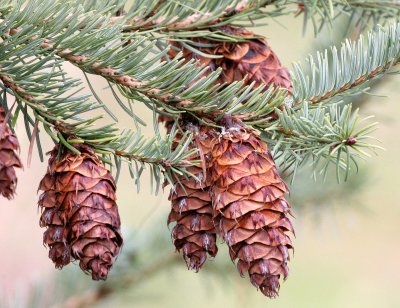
{"points": [[9, 159], [167, 121], [249, 203], [194, 233], [253, 58], [79, 211]]}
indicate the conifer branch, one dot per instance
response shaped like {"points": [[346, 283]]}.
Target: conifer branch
{"points": [[360, 12], [146, 17], [322, 136], [163, 85], [95, 295], [335, 74], [193, 17], [58, 114], [127, 145]]}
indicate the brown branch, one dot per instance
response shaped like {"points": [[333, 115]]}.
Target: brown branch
{"points": [[375, 73], [93, 296], [58, 125], [114, 76], [143, 23], [11, 84], [64, 127]]}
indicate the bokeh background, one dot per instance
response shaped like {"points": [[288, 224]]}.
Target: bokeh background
{"points": [[347, 245]]}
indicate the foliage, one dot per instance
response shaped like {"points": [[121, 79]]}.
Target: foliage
{"points": [[127, 47]]}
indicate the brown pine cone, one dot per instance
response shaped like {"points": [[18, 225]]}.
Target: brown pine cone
{"points": [[79, 211], [253, 58], [249, 203], [194, 232], [9, 159], [167, 121]]}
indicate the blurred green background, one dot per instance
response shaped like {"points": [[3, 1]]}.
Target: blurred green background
{"points": [[347, 246]]}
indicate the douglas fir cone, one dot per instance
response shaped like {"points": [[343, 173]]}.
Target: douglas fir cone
{"points": [[250, 207], [9, 159], [79, 212], [252, 58], [194, 232]]}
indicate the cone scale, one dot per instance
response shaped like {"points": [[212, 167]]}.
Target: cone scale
{"points": [[80, 213]]}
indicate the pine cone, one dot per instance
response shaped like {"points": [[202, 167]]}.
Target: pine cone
{"points": [[194, 232], [253, 58], [249, 203], [80, 213], [167, 121], [9, 159]]}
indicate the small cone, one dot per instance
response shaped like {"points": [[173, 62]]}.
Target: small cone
{"points": [[80, 213], [9, 159], [249, 203], [253, 58], [194, 233]]}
